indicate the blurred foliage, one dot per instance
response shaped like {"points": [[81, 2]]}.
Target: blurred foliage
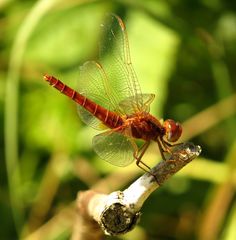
{"points": [[183, 51]]}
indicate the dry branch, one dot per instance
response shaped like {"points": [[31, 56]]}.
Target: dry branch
{"points": [[118, 212]]}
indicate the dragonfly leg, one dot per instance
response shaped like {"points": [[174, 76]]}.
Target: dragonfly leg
{"points": [[138, 156], [163, 148], [170, 145]]}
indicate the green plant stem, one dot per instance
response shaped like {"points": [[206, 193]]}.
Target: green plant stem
{"points": [[11, 105]]}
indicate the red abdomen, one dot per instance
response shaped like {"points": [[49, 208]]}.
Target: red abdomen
{"points": [[108, 118]]}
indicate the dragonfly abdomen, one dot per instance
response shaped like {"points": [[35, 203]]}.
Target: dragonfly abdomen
{"points": [[108, 118]]}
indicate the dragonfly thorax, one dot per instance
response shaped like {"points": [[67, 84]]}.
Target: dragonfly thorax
{"points": [[145, 127]]}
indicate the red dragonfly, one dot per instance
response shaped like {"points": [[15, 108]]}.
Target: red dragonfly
{"points": [[109, 97]]}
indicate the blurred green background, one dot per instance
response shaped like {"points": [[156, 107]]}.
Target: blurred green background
{"points": [[183, 51]]}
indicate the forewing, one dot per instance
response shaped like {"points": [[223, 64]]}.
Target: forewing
{"points": [[114, 148], [115, 58], [113, 85]]}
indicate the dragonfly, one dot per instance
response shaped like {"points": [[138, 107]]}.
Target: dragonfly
{"points": [[109, 98]]}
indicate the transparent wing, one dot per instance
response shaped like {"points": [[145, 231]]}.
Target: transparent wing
{"points": [[114, 148], [89, 119], [113, 85], [115, 58], [93, 84], [127, 103]]}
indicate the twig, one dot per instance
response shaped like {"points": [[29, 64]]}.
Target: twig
{"points": [[214, 114], [118, 212]]}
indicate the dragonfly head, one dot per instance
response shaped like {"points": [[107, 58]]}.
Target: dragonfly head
{"points": [[173, 130]]}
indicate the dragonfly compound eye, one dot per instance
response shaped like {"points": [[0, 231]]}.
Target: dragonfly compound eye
{"points": [[173, 130]]}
